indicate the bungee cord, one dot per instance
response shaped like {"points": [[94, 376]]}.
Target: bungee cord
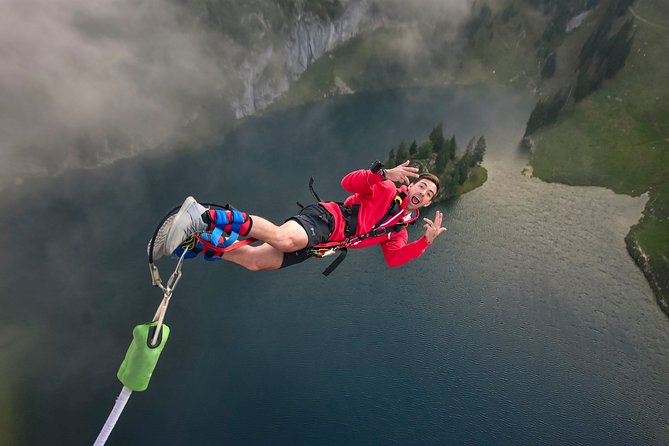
{"points": [[149, 339], [144, 351]]}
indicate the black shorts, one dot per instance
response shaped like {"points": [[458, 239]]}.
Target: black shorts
{"points": [[318, 224]]}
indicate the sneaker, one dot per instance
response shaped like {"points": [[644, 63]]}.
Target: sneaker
{"points": [[187, 222], [161, 236]]}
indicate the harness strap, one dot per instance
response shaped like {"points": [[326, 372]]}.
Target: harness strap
{"points": [[350, 214], [336, 262], [225, 247], [311, 188]]}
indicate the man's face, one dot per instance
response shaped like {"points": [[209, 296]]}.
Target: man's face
{"points": [[421, 194]]}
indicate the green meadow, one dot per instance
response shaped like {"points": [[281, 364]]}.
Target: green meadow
{"points": [[619, 138]]}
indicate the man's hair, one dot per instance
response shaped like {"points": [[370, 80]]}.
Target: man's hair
{"points": [[431, 177]]}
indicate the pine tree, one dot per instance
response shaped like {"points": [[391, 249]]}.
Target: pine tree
{"points": [[437, 138], [462, 168], [619, 48], [545, 113], [449, 184], [479, 151], [452, 148], [413, 149], [390, 162], [469, 152], [402, 154], [441, 162], [425, 150]]}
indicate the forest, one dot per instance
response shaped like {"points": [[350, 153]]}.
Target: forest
{"points": [[459, 171]]}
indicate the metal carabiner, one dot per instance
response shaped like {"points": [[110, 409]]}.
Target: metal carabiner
{"points": [[176, 275], [172, 281], [167, 295]]}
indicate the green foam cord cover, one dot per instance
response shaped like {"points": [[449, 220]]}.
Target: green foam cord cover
{"points": [[140, 360]]}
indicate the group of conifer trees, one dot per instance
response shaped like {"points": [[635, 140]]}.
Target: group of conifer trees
{"points": [[441, 157]]}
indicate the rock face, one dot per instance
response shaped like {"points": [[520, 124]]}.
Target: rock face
{"points": [[266, 74]]}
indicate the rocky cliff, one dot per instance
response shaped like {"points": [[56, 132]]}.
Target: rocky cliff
{"points": [[266, 72]]}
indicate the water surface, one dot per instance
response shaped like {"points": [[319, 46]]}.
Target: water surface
{"points": [[526, 323]]}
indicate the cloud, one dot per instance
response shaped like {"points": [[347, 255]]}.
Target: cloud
{"points": [[85, 82], [426, 34], [427, 11]]}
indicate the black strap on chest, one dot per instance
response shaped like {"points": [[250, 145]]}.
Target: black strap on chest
{"points": [[350, 214]]}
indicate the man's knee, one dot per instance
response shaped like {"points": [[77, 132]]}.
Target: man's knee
{"points": [[287, 244], [290, 237]]}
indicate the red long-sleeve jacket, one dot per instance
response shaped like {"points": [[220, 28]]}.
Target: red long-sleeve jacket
{"points": [[375, 195]]}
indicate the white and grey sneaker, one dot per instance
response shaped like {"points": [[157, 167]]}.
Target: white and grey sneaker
{"points": [[187, 222], [161, 236]]}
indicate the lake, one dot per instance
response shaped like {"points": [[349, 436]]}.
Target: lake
{"points": [[525, 323]]}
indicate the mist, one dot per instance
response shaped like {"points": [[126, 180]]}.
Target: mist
{"points": [[84, 83]]}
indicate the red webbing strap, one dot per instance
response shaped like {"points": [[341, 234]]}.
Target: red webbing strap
{"points": [[218, 249]]}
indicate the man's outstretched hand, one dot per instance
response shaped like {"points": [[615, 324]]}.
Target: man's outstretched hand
{"points": [[402, 173], [433, 228]]}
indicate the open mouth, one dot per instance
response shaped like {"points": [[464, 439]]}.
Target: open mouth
{"points": [[415, 200]]}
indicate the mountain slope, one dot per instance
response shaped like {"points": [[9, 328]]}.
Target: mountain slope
{"points": [[619, 138]]}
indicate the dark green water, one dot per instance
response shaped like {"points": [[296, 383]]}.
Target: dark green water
{"points": [[526, 323]]}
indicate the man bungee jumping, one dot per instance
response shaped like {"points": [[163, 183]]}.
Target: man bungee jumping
{"points": [[377, 213]]}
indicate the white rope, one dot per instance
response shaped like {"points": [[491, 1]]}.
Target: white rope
{"points": [[159, 316], [125, 392], [113, 416]]}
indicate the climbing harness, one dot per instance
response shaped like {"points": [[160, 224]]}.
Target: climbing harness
{"points": [[380, 229], [389, 223], [149, 339]]}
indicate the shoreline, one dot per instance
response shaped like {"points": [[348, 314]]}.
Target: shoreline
{"points": [[651, 269], [645, 264], [478, 177]]}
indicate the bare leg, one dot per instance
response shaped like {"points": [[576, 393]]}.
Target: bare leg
{"points": [[256, 258], [289, 237]]}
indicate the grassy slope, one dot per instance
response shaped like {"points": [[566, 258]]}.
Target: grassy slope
{"points": [[619, 138]]}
